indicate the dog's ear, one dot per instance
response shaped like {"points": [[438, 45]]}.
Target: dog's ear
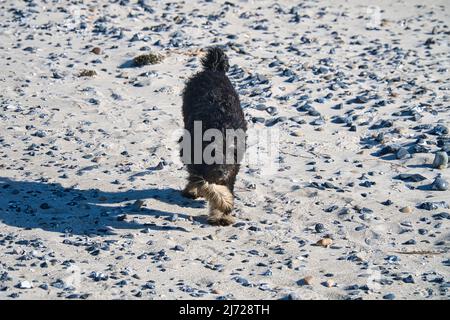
{"points": [[215, 60]]}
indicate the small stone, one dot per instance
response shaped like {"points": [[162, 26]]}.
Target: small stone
{"points": [[297, 119], [272, 110], [40, 134], [143, 83], [297, 133], [57, 75], [389, 296], [319, 227], [44, 286], [410, 177], [121, 217], [292, 296], [392, 259], [25, 285], [439, 130], [258, 120], [439, 184], [44, 206], [274, 121], [318, 122], [308, 280], [137, 204], [433, 205], [422, 231], [242, 281], [30, 49], [329, 283], [137, 37], [96, 50], [325, 242], [360, 99], [402, 153], [406, 209], [440, 160]]}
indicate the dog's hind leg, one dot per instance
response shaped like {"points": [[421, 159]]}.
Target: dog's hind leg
{"points": [[219, 218], [220, 201]]}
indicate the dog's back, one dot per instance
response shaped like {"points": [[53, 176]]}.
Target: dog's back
{"points": [[210, 97]]}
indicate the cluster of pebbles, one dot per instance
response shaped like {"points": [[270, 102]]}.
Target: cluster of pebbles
{"points": [[357, 205]]}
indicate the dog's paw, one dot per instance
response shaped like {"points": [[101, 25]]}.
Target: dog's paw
{"points": [[223, 220]]}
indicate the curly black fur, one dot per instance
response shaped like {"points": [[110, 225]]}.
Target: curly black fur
{"points": [[209, 97], [216, 60]]}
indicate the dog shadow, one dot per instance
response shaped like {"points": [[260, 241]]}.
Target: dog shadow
{"points": [[129, 64], [420, 166], [51, 207]]}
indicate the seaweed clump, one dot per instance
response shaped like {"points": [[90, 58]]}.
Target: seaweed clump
{"points": [[146, 59], [87, 73]]}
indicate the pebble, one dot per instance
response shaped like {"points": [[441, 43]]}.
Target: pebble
{"points": [[293, 296], [406, 209], [137, 205], [440, 160], [428, 205], [318, 122], [44, 206], [258, 119], [25, 285], [325, 242], [408, 279], [242, 281], [408, 177], [440, 130], [389, 296], [308, 280], [319, 227], [43, 286], [439, 184], [274, 121], [96, 50], [297, 119], [329, 283], [402, 153]]}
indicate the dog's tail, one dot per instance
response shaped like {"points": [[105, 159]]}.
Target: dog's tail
{"points": [[215, 60], [218, 195]]}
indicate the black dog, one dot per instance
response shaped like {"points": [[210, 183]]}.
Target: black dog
{"points": [[210, 99]]}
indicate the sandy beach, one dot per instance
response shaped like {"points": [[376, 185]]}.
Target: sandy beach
{"points": [[355, 204]]}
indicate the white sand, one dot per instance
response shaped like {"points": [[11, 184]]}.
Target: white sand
{"points": [[85, 205]]}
